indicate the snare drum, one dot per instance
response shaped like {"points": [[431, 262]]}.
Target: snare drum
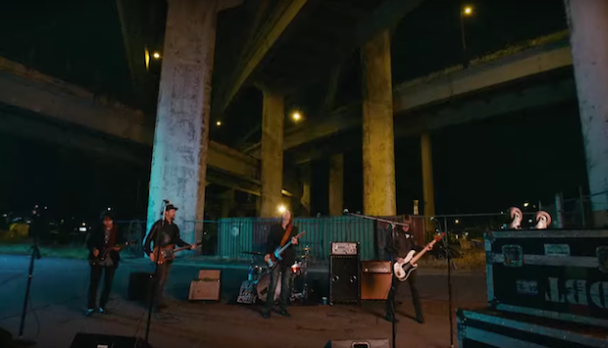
{"points": [[262, 287]]}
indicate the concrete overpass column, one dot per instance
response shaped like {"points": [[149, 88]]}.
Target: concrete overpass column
{"points": [[428, 189], [227, 202], [273, 118], [378, 137], [181, 138], [305, 179], [336, 184], [588, 23]]}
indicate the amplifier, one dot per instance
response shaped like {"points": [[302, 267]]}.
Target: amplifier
{"points": [[359, 343], [86, 340], [558, 274], [487, 328], [140, 286], [376, 280], [345, 248], [344, 275]]}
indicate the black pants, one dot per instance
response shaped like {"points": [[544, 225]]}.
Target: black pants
{"points": [[284, 272], [415, 295], [94, 284], [160, 280]]}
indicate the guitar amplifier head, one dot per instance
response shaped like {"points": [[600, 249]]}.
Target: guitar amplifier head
{"points": [[345, 248]]}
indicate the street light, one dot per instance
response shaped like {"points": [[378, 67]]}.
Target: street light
{"points": [[218, 123], [296, 116], [466, 11], [156, 55]]}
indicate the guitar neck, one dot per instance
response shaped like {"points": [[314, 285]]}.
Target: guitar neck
{"points": [[420, 254], [185, 247]]}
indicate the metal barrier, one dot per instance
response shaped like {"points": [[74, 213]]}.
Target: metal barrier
{"points": [[236, 235]]}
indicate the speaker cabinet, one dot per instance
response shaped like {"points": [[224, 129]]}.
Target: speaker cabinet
{"points": [[140, 286], [344, 279], [376, 278], [86, 340], [374, 343]]}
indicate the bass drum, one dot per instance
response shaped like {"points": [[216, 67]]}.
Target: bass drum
{"points": [[262, 288]]}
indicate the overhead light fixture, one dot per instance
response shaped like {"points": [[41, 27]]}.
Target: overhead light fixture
{"points": [[156, 55]]}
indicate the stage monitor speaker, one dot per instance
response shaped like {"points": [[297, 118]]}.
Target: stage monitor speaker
{"points": [[6, 338], [86, 340], [139, 286], [344, 279], [375, 343]]}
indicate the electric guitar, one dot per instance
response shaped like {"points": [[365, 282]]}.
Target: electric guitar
{"points": [[404, 268], [103, 254], [167, 253], [276, 256]]}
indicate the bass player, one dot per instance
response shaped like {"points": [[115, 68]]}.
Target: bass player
{"points": [[278, 236], [403, 244], [169, 234]]}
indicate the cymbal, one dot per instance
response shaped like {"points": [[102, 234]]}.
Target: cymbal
{"points": [[252, 252], [307, 248]]}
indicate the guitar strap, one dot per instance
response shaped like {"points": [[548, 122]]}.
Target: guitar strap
{"points": [[287, 234]]}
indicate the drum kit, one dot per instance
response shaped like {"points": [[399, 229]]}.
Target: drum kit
{"points": [[259, 276]]}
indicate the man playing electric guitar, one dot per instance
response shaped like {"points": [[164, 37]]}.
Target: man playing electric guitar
{"points": [[278, 236], [169, 235], [404, 243], [103, 257]]}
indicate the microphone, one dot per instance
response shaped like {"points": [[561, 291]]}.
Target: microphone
{"points": [[433, 218], [345, 212]]}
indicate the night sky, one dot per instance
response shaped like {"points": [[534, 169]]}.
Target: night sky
{"points": [[479, 167]]}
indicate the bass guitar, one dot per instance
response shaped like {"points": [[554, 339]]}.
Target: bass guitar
{"points": [[276, 256], [404, 268], [103, 254], [167, 253]]}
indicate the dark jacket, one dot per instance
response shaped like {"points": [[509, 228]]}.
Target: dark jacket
{"points": [[169, 234], [274, 240], [404, 243], [97, 241]]}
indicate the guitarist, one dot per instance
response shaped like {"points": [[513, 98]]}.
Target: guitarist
{"points": [[104, 237], [403, 244], [169, 234], [277, 237]]}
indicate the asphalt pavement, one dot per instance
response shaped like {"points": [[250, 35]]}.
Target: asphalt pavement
{"points": [[59, 289]]}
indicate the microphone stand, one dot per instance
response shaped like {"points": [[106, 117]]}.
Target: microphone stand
{"points": [[448, 255], [154, 278], [391, 257], [20, 342]]}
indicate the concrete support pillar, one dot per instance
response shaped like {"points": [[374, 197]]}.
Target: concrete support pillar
{"points": [[227, 203], [588, 23], [336, 184], [181, 138], [428, 189], [378, 137], [273, 118], [305, 179]]}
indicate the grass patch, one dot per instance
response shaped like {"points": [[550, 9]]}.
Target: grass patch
{"points": [[24, 248], [473, 260]]}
